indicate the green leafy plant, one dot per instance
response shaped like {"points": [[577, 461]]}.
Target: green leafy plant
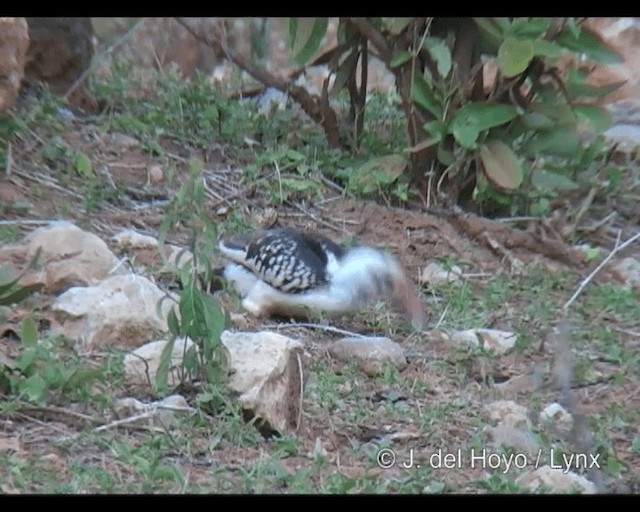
{"points": [[197, 315], [490, 116], [11, 292], [46, 368]]}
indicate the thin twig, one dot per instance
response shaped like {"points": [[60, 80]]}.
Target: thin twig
{"points": [[616, 249], [58, 411], [26, 222], [316, 326], [9, 161], [126, 421], [299, 419], [317, 219], [95, 60], [48, 183]]}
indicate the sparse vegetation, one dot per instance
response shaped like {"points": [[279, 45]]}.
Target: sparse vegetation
{"points": [[224, 162]]}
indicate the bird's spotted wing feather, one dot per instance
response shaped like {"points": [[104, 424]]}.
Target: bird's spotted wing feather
{"points": [[288, 260]]}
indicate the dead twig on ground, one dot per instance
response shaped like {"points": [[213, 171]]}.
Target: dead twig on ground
{"points": [[618, 247]]}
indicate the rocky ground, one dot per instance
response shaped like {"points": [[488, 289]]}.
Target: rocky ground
{"points": [[524, 380]]}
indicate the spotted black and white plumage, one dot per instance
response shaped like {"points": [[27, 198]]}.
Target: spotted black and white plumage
{"points": [[286, 271]]}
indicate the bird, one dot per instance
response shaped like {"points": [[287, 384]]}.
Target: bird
{"points": [[288, 271]]}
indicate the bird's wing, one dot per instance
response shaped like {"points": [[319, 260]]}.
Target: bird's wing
{"points": [[287, 260]]}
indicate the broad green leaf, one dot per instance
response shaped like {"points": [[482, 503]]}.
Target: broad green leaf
{"points": [[345, 69], [440, 53], [548, 181], [598, 117], [21, 293], [560, 113], [546, 49], [501, 166], [590, 45], [445, 156], [81, 377], [423, 95], [399, 58], [466, 135], [482, 116], [437, 129], [28, 332], [562, 141], [34, 387], [378, 172], [26, 358], [514, 55], [576, 85], [8, 277], [83, 165], [213, 316], [530, 27], [396, 25], [490, 32], [504, 24], [572, 26], [537, 121], [307, 34]]}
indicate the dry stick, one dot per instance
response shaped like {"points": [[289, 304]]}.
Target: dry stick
{"points": [[95, 60], [317, 219], [311, 104], [299, 419], [26, 222], [584, 283], [316, 326]]}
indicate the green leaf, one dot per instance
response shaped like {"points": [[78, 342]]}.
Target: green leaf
{"points": [[530, 27], [549, 181], [214, 317], [399, 58], [306, 36], [8, 277], [482, 116], [576, 85], [537, 121], [34, 387], [598, 117], [445, 156], [562, 141], [501, 166], [423, 95], [81, 377], [20, 294], [466, 135], [28, 332], [440, 53], [378, 172], [83, 164], [514, 55], [587, 43], [560, 113], [166, 358], [504, 24], [26, 358], [173, 323], [344, 71], [546, 49], [490, 33], [396, 25]]}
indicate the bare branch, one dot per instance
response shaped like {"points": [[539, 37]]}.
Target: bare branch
{"points": [[373, 35], [311, 104]]}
